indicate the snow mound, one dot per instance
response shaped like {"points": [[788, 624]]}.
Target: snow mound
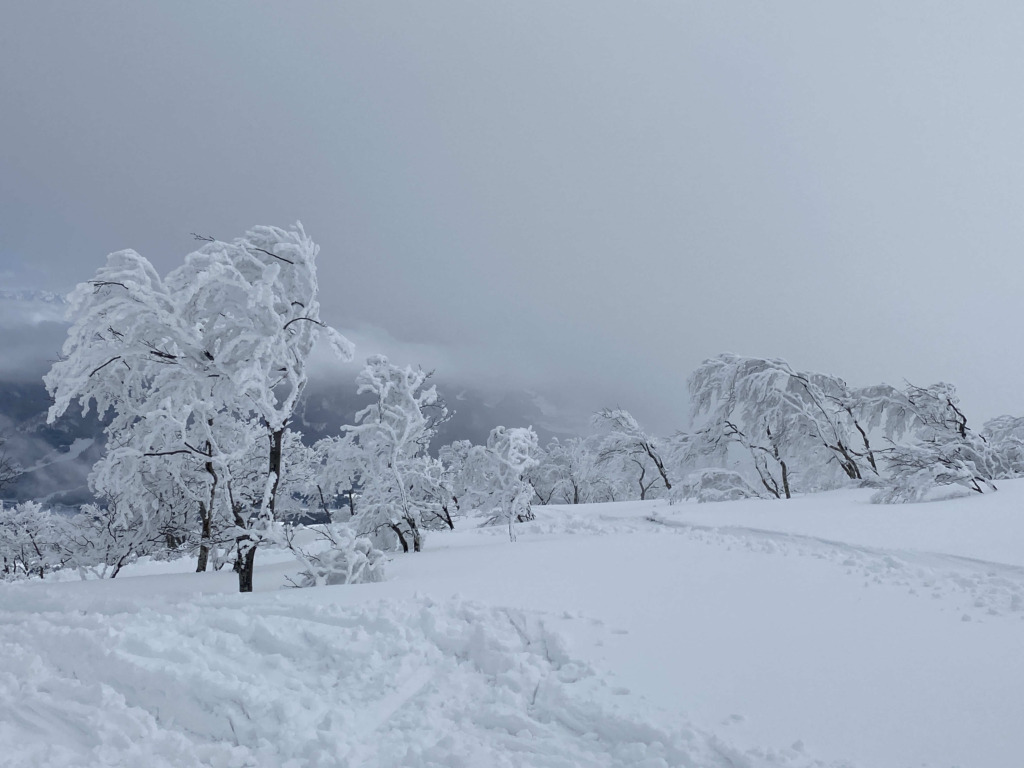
{"points": [[276, 681]]}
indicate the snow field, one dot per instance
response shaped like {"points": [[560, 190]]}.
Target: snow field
{"points": [[278, 681], [742, 635]]}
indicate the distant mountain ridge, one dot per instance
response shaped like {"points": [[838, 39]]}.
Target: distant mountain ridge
{"points": [[61, 455], [32, 295]]}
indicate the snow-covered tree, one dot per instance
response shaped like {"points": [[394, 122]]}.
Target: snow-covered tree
{"points": [[334, 464], [626, 450], [158, 487], [500, 475], [943, 449], [220, 342], [793, 425], [461, 475], [389, 444], [31, 539], [570, 472], [1005, 438], [9, 470], [101, 540]]}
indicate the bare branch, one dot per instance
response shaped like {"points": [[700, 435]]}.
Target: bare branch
{"points": [[100, 368]]}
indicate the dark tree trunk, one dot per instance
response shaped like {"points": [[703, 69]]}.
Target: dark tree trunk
{"points": [[323, 502], [206, 511], [204, 546], [247, 561], [867, 444], [243, 548], [401, 537], [276, 445], [770, 487], [659, 464], [247, 558]]}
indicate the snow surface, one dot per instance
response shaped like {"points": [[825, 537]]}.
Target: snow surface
{"points": [[823, 631]]}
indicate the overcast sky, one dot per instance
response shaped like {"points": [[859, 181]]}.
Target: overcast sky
{"points": [[581, 198]]}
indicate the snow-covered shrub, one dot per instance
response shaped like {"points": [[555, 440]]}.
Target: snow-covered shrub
{"points": [[1005, 438], [918, 470], [100, 541], [710, 485], [341, 557], [97, 541], [30, 540]]}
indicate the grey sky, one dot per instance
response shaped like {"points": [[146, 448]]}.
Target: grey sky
{"points": [[582, 198]]}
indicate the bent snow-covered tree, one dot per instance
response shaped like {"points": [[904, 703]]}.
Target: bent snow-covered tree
{"points": [[626, 450], [793, 425], [219, 345], [943, 451]]}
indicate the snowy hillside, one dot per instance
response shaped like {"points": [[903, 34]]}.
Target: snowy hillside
{"points": [[819, 632]]}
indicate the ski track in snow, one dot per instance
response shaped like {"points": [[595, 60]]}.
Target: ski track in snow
{"points": [[281, 680], [978, 588], [993, 589]]}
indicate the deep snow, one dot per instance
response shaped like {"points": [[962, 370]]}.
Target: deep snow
{"points": [[820, 631]]}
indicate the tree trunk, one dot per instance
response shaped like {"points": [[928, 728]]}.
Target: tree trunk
{"points": [[659, 464], [204, 545], [782, 464], [247, 559], [276, 445], [323, 503], [401, 537], [247, 563], [867, 445], [206, 511], [846, 461]]}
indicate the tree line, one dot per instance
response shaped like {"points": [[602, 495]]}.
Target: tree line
{"points": [[197, 374]]}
